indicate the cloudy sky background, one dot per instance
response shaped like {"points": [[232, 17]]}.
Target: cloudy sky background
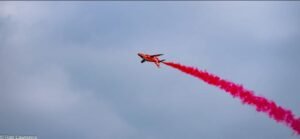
{"points": [[70, 69]]}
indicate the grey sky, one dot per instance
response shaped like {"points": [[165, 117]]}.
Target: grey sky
{"points": [[70, 69]]}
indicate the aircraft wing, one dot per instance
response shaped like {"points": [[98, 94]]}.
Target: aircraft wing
{"points": [[156, 55]]}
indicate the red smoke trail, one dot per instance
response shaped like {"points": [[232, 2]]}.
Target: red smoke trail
{"points": [[262, 104]]}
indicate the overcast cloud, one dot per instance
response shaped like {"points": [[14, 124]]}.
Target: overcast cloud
{"points": [[70, 69]]}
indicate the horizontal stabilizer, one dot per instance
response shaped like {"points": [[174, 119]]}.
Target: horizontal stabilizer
{"points": [[162, 60], [156, 55]]}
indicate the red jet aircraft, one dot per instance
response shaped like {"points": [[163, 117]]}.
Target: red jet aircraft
{"points": [[151, 58]]}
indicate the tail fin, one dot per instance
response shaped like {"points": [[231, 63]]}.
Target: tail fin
{"points": [[162, 60], [157, 64]]}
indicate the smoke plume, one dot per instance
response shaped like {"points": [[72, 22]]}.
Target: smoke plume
{"points": [[278, 113]]}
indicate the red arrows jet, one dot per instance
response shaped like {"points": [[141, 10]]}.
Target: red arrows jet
{"points": [[151, 58]]}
